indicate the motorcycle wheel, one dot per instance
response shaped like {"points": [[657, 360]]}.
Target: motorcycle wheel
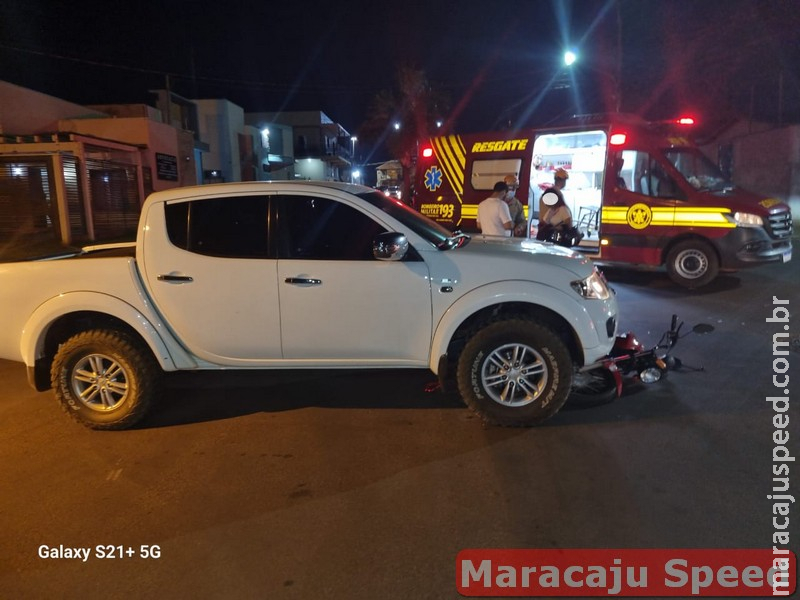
{"points": [[592, 388]]}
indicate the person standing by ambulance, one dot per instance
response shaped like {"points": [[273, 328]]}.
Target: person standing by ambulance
{"points": [[494, 217], [560, 177], [556, 216], [515, 207]]}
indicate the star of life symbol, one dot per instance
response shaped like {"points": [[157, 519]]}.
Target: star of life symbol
{"points": [[639, 216], [433, 178]]}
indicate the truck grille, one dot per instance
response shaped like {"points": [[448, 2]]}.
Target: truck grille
{"points": [[780, 225]]}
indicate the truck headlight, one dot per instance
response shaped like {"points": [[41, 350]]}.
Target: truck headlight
{"points": [[594, 287], [747, 220]]}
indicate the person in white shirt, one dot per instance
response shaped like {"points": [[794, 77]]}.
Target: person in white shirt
{"points": [[494, 217]]}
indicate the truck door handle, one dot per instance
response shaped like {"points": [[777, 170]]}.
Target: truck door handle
{"points": [[303, 281], [176, 278]]}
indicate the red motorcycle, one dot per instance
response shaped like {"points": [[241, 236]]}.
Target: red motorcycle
{"points": [[602, 381]]}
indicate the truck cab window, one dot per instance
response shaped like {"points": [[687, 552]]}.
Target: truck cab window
{"points": [[227, 227], [323, 229]]}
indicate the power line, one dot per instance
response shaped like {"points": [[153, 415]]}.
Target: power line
{"points": [[329, 88]]}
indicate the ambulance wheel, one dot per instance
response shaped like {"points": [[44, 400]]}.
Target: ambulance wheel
{"points": [[692, 263]]}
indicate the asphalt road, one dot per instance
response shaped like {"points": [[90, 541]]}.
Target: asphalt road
{"points": [[364, 485]]}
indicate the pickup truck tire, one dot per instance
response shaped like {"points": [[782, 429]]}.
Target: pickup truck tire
{"points": [[692, 263], [515, 373], [104, 379]]}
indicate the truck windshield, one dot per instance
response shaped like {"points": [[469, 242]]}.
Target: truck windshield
{"points": [[701, 173], [432, 231]]}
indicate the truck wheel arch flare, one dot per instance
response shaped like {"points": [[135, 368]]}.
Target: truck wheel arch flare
{"points": [[519, 292], [168, 354]]}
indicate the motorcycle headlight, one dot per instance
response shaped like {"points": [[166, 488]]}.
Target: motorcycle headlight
{"points": [[594, 287], [747, 220]]}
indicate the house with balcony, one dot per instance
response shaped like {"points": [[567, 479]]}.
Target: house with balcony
{"points": [[323, 149]]}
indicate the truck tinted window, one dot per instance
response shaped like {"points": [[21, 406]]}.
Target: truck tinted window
{"points": [[324, 229], [228, 227]]}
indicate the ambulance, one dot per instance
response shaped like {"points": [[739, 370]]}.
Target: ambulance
{"points": [[641, 193]]}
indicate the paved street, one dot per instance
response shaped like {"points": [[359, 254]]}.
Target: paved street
{"points": [[364, 485]]}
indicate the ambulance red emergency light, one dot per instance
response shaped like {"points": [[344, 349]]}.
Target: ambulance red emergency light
{"points": [[642, 194]]}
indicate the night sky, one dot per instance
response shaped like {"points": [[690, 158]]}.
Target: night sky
{"points": [[497, 60]]}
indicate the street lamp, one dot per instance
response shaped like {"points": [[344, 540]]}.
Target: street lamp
{"points": [[353, 174], [608, 74]]}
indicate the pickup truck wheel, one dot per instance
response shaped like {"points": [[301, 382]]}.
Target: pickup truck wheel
{"points": [[515, 373], [692, 263], [104, 379]]}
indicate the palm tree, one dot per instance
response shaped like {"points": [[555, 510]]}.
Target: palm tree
{"points": [[399, 118]]}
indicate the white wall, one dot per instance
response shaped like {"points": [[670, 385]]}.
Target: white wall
{"points": [[220, 123]]}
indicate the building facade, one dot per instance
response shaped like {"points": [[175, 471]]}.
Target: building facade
{"points": [[761, 157], [72, 174], [323, 149]]}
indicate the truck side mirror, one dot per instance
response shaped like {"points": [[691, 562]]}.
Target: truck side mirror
{"points": [[390, 245]]}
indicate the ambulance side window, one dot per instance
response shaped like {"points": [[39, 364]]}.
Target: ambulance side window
{"points": [[650, 179], [487, 172]]}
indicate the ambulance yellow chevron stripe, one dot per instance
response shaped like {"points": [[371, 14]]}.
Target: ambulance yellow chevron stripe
{"points": [[453, 159], [470, 211], [667, 216], [703, 217]]}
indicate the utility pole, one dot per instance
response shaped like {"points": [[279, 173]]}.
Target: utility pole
{"points": [[618, 62]]}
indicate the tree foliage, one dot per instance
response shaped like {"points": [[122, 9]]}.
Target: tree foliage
{"points": [[415, 105]]}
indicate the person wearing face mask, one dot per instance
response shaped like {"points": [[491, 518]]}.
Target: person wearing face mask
{"points": [[515, 209]]}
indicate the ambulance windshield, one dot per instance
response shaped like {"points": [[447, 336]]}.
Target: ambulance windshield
{"points": [[701, 173]]}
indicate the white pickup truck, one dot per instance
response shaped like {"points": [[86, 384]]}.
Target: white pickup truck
{"points": [[292, 275]]}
